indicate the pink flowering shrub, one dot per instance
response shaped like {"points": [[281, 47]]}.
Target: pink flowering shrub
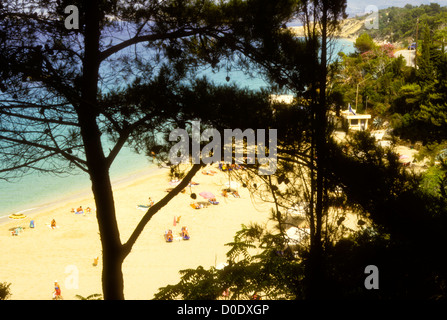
{"points": [[383, 50], [387, 49]]}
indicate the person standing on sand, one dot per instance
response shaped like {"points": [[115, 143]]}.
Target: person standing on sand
{"points": [[57, 291]]}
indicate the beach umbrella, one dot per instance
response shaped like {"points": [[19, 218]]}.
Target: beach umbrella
{"points": [[207, 195], [17, 216]]}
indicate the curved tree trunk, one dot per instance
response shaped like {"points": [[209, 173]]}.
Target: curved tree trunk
{"points": [[112, 277]]}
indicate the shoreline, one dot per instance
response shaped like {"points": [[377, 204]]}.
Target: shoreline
{"points": [[80, 194], [36, 257]]}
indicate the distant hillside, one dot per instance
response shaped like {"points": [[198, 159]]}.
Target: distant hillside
{"points": [[349, 28], [357, 7], [396, 24], [401, 24]]}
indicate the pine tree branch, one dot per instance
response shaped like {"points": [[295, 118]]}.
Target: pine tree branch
{"points": [[127, 247]]}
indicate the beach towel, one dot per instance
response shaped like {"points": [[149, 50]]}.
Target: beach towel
{"points": [[142, 207], [196, 206]]}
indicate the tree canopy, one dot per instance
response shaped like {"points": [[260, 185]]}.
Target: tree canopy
{"points": [[75, 97], [120, 76]]}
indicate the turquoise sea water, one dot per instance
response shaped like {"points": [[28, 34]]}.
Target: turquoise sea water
{"points": [[37, 189]]}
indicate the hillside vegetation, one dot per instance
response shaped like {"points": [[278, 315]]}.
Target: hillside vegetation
{"points": [[396, 25], [400, 25]]}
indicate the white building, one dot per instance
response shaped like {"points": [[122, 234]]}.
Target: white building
{"points": [[356, 121]]}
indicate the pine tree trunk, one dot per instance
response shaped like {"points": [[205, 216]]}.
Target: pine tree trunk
{"points": [[316, 281], [112, 252]]}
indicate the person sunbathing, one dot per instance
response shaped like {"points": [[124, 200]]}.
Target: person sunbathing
{"points": [[185, 233], [196, 205], [213, 201], [169, 236]]}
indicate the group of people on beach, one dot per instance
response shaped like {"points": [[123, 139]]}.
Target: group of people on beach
{"points": [[80, 210], [230, 191], [200, 205], [197, 205], [169, 236]]}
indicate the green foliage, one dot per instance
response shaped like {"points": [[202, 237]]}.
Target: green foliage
{"points": [[364, 43], [398, 203], [269, 270], [434, 151], [95, 296], [404, 217], [432, 179], [412, 100], [399, 24], [408, 98], [64, 90], [5, 291], [371, 80], [406, 211], [196, 284]]}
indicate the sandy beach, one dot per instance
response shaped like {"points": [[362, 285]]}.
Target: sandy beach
{"points": [[38, 256]]}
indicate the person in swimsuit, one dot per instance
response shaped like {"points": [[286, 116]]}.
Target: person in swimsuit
{"points": [[169, 236], [185, 233], [57, 291]]}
